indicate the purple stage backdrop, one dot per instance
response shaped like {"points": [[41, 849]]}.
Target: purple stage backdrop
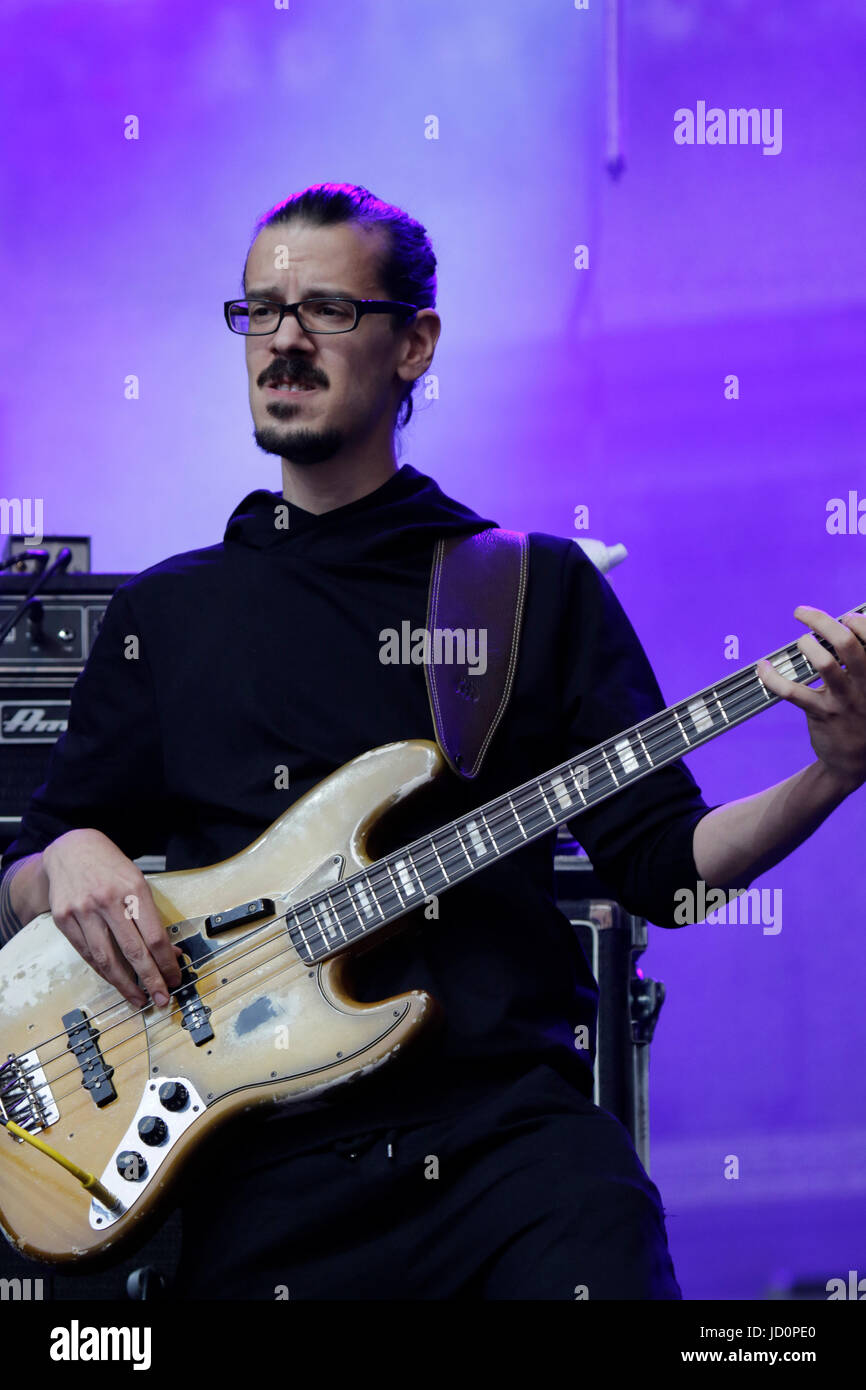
{"points": [[639, 318]]}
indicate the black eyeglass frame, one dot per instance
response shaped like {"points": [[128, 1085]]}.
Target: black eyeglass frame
{"points": [[361, 307]]}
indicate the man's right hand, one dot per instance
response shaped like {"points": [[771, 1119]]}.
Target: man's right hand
{"points": [[101, 902]]}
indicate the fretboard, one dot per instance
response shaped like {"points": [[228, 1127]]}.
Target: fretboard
{"points": [[327, 922]]}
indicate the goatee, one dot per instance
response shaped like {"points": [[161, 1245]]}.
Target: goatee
{"points": [[299, 445]]}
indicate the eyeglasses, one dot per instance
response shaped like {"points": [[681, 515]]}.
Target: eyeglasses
{"points": [[338, 315]]}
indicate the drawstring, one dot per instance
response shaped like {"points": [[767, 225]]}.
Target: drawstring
{"points": [[359, 1144]]}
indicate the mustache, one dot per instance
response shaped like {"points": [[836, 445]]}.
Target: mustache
{"points": [[294, 373]]}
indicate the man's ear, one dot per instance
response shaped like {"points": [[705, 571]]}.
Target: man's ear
{"points": [[422, 335]]}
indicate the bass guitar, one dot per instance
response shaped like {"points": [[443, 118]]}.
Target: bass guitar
{"points": [[100, 1103]]}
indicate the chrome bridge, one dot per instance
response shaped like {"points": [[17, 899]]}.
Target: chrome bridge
{"points": [[25, 1096]]}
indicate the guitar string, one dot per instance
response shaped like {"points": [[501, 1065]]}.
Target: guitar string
{"points": [[212, 955], [291, 965], [535, 795], [156, 1032]]}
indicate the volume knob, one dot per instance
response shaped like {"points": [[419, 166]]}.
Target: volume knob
{"points": [[152, 1129], [173, 1095]]}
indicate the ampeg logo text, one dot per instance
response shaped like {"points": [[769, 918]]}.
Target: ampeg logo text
{"points": [[32, 722]]}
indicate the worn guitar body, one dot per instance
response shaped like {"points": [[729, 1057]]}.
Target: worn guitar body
{"points": [[282, 1029]]}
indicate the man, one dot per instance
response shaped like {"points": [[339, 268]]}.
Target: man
{"points": [[478, 1168]]}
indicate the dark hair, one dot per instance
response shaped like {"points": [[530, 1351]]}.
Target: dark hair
{"points": [[408, 269]]}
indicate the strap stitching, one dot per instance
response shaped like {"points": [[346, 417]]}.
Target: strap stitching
{"points": [[515, 637]]}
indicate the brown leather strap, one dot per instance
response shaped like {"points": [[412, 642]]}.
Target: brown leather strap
{"points": [[477, 585]]}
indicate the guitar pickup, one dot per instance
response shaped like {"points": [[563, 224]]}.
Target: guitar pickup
{"points": [[247, 912], [82, 1043], [194, 1014]]}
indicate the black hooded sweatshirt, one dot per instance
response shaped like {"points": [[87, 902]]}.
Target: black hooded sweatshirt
{"points": [[263, 652]]}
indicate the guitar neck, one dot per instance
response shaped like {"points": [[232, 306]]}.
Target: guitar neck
{"points": [[329, 921]]}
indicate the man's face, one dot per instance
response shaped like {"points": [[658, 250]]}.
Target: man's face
{"points": [[352, 375]]}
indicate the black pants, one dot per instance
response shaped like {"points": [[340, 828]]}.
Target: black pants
{"points": [[515, 1199]]}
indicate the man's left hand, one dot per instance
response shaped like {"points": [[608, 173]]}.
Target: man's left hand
{"points": [[836, 710]]}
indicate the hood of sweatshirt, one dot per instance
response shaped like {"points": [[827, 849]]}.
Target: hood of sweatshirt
{"points": [[401, 520]]}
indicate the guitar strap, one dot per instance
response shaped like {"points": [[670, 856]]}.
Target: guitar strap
{"points": [[476, 599]]}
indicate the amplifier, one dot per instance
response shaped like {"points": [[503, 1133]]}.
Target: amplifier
{"points": [[613, 940], [57, 633], [40, 660], [52, 545], [32, 717]]}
